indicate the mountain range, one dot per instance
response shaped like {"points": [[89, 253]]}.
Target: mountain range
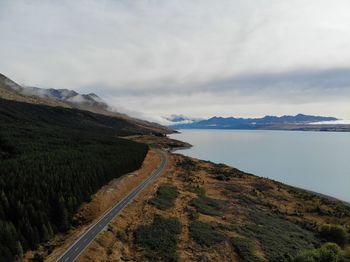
{"points": [[286, 122], [10, 90]]}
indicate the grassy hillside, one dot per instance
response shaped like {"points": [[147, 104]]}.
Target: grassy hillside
{"points": [[51, 160], [223, 214]]}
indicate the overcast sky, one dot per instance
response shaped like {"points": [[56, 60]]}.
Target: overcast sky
{"points": [[194, 57]]}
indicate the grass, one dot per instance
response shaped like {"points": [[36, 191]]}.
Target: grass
{"points": [[204, 234], [159, 238], [245, 249], [165, 197], [207, 205]]}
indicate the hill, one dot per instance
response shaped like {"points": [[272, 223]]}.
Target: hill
{"points": [[202, 211], [10, 90], [52, 159]]}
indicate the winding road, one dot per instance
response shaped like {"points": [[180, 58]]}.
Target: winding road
{"points": [[73, 252]]}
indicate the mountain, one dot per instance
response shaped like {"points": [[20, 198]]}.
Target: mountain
{"points": [[83, 101], [10, 90], [181, 119], [52, 159], [297, 122]]}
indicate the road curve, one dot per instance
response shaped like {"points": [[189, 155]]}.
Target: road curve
{"points": [[73, 252]]}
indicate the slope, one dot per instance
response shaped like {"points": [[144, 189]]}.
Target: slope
{"points": [[52, 159], [70, 99]]}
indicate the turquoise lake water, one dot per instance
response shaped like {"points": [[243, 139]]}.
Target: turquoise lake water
{"points": [[317, 161]]}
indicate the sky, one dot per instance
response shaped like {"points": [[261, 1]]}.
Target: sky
{"points": [[199, 58]]}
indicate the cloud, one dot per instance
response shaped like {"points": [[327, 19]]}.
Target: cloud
{"points": [[269, 52]]}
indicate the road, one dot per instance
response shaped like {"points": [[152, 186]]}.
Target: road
{"points": [[73, 252]]}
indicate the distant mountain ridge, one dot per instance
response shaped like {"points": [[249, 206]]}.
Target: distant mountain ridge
{"points": [[286, 122]]}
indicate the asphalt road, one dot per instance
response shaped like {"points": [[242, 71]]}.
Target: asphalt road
{"points": [[73, 252]]}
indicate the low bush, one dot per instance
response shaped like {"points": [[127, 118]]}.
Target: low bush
{"points": [[165, 197], [329, 252], [233, 188], [159, 238], [204, 234], [334, 233], [262, 186], [280, 239], [198, 190], [207, 205], [245, 249], [121, 235], [191, 214], [187, 164]]}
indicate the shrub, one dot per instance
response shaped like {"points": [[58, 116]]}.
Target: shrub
{"points": [[346, 253], [245, 249], [334, 233], [121, 235], [207, 205], [192, 214], [280, 239], [204, 234], [159, 238], [222, 177], [307, 256], [198, 190], [233, 188], [165, 197], [329, 252]]}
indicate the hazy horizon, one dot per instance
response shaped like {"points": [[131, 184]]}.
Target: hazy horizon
{"points": [[197, 58]]}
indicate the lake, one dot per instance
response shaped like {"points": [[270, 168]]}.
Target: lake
{"points": [[318, 161]]}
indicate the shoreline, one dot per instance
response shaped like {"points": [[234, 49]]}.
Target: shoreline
{"points": [[328, 197], [320, 194]]}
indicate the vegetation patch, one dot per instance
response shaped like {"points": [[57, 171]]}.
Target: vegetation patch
{"points": [[245, 249], [159, 238], [51, 161], [165, 197], [121, 235], [222, 177], [223, 172], [207, 205], [204, 234], [329, 252], [334, 233], [280, 239], [262, 186], [197, 190], [233, 188], [187, 164]]}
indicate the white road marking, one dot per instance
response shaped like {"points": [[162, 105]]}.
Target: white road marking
{"points": [[120, 206]]}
